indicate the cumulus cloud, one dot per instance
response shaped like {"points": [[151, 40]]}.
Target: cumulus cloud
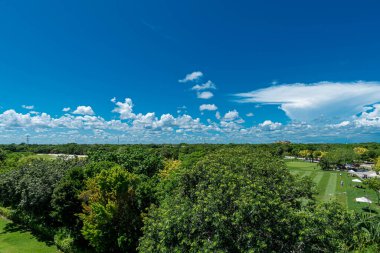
{"points": [[333, 101], [124, 109], [150, 127], [205, 86], [250, 114], [28, 107], [205, 95], [341, 124], [270, 126], [145, 121], [231, 115], [191, 77], [208, 107], [84, 110], [369, 117], [66, 109]]}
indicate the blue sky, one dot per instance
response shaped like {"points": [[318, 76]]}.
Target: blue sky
{"points": [[258, 71]]}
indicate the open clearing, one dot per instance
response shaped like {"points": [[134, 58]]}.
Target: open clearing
{"points": [[328, 186], [14, 239]]}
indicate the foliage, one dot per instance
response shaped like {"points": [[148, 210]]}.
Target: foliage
{"points": [[306, 153], [111, 218], [337, 158], [377, 165], [374, 184], [366, 232], [169, 167], [66, 204], [139, 161], [326, 228], [183, 198], [2, 155], [30, 188], [360, 150], [65, 241], [231, 201]]}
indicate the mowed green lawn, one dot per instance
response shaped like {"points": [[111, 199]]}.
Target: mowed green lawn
{"points": [[328, 186], [13, 239]]}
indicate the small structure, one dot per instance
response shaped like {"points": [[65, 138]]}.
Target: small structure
{"points": [[350, 166], [363, 200], [367, 166], [363, 174]]}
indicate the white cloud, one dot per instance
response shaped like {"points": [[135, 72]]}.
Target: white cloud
{"points": [[181, 109], [231, 115], [205, 95], [145, 121], [208, 107], [84, 110], [269, 125], [323, 100], [166, 121], [191, 77], [369, 117], [124, 109], [150, 127], [28, 107], [250, 114], [66, 109], [341, 124], [205, 86]]}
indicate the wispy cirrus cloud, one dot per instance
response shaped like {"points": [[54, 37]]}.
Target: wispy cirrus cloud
{"points": [[332, 101], [28, 107]]}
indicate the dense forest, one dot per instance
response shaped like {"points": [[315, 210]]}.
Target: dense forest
{"points": [[182, 198]]}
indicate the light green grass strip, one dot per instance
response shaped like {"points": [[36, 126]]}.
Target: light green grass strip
{"points": [[331, 187], [16, 240], [300, 173], [321, 186], [307, 173], [341, 192], [317, 178]]}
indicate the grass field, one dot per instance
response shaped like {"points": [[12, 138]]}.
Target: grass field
{"points": [[328, 186], [14, 239]]}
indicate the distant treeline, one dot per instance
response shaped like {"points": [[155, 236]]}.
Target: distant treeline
{"points": [[173, 150]]}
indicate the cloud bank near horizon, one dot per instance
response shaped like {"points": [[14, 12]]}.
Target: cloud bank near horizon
{"points": [[134, 127], [322, 101], [318, 112]]}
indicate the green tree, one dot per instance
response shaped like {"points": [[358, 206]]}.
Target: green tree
{"points": [[235, 200], [337, 158], [30, 187], [3, 155], [328, 227], [111, 215], [65, 203], [377, 165]]}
